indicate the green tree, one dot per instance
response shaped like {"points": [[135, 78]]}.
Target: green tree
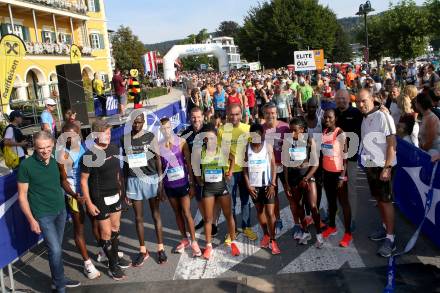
{"points": [[283, 26], [202, 36], [406, 29], [127, 49], [433, 12], [378, 45], [228, 29], [342, 50]]}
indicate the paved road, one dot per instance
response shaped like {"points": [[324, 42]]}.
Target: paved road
{"points": [[302, 267]]}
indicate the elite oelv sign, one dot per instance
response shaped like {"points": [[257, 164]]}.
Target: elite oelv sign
{"points": [[309, 60]]}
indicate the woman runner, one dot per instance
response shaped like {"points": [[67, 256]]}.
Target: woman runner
{"points": [[176, 161], [260, 177]]}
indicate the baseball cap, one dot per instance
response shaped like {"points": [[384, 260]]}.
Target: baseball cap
{"points": [[15, 114], [363, 72], [50, 101]]}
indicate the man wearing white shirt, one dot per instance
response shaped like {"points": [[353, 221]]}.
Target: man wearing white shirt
{"points": [[13, 136], [378, 156]]}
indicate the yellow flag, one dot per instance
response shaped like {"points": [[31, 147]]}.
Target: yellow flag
{"points": [[75, 54], [12, 51]]}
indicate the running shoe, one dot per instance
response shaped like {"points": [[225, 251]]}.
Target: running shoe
{"points": [[378, 235], [123, 263], [214, 230], [234, 249], [69, 283], [296, 232], [208, 252], [101, 257], [140, 258], [265, 241], [323, 225], [278, 226], [200, 225], [196, 249], [346, 240], [274, 247], [117, 273], [90, 270], [329, 232], [228, 240], [305, 238], [250, 234], [319, 241], [180, 248], [387, 248], [162, 257]]}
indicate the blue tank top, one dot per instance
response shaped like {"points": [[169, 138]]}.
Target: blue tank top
{"points": [[173, 165], [220, 100], [74, 173]]}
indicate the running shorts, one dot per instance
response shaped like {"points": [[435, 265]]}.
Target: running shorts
{"points": [[380, 190], [262, 198], [107, 204], [177, 192]]}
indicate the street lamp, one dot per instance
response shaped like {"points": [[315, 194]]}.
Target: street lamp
{"points": [[364, 9], [258, 53]]}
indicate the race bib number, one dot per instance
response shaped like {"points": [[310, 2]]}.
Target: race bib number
{"points": [[176, 173], [298, 153], [111, 200], [213, 176], [137, 160], [282, 105], [327, 149], [257, 166]]}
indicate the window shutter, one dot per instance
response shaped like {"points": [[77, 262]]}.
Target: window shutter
{"points": [[4, 29], [91, 41], [97, 6], [101, 41], [69, 39], [54, 37], [26, 34]]}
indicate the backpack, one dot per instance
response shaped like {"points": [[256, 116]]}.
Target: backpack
{"points": [[11, 158]]}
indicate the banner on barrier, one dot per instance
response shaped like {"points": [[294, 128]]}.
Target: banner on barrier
{"points": [[15, 235], [111, 106], [411, 186]]}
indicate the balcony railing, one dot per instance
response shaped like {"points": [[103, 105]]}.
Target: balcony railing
{"points": [[55, 49], [70, 6]]}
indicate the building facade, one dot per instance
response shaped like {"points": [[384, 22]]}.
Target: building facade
{"points": [[49, 28], [227, 43]]}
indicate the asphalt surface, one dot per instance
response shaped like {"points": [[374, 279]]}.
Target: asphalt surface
{"points": [[300, 268]]}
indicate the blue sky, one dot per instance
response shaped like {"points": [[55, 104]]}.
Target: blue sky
{"points": [[163, 20]]}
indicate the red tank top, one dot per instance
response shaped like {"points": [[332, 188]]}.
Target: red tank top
{"points": [[234, 99], [332, 151]]}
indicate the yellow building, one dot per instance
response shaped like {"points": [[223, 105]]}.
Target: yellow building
{"points": [[48, 28]]}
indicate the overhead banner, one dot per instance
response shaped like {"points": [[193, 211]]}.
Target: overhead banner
{"points": [[254, 66], [75, 54], [12, 51], [309, 60]]}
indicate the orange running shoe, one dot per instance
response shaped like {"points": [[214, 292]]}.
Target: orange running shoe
{"points": [[264, 243], [275, 248], [329, 232], [234, 249], [208, 252], [345, 242]]}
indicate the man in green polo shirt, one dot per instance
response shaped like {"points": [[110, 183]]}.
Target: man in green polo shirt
{"points": [[305, 92], [42, 202]]}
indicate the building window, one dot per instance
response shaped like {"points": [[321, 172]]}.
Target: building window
{"points": [[97, 41], [48, 37], [93, 5], [65, 38]]}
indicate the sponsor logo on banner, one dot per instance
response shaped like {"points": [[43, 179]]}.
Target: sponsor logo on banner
{"points": [[319, 59], [12, 51], [75, 54], [305, 60]]}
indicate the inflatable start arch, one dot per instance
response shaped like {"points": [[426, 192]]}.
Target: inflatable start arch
{"points": [[190, 50]]}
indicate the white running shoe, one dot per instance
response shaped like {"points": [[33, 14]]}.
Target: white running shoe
{"points": [[319, 241], [305, 238], [90, 270], [297, 232]]}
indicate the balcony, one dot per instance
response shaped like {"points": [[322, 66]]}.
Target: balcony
{"points": [[53, 49], [69, 6]]}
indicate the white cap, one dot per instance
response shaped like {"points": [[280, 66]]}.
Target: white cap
{"points": [[363, 72], [50, 102]]}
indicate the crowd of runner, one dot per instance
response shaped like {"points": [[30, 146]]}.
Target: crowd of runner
{"points": [[251, 135]]}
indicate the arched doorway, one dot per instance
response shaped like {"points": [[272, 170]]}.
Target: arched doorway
{"points": [[190, 50], [34, 90], [53, 84], [87, 76]]}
